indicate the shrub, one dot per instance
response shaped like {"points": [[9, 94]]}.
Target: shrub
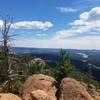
{"points": [[17, 87]]}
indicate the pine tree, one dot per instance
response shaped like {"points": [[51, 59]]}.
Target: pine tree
{"points": [[64, 65]]}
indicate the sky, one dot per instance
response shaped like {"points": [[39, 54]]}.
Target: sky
{"points": [[71, 24]]}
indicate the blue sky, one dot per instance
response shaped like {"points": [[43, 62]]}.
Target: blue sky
{"points": [[54, 23]]}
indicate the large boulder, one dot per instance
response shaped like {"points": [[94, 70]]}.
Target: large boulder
{"points": [[39, 82], [9, 96], [71, 89]]}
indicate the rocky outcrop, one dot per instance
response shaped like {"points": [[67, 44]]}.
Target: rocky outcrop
{"points": [[38, 82], [42, 87], [72, 90], [9, 96]]}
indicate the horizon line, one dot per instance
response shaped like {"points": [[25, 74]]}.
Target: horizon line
{"points": [[54, 48]]}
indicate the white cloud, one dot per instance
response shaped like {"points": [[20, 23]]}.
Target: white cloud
{"points": [[93, 14], [76, 43], [30, 25], [88, 23], [84, 16], [66, 9]]}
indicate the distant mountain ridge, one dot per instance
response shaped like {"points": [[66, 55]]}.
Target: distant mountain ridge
{"points": [[33, 50]]}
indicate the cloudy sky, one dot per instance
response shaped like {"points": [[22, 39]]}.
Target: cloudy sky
{"points": [[54, 23]]}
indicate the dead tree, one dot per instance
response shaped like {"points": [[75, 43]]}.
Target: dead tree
{"points": [[6, 25], [8, 73]]}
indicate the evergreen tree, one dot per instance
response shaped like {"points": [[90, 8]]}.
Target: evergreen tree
{"points": [[64, 65]]}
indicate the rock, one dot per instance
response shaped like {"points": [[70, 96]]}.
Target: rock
{"points": [[92, 91], [73, 90], [36, 61], [39, 82], [91, 86], [41, 95], [97, 98], [84, 85], [9, 96]]}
